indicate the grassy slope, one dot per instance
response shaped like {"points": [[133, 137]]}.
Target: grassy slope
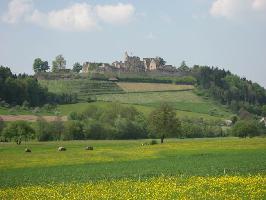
{"points": [[186, 103], [180, 100], [79, 107], [116, 159]]}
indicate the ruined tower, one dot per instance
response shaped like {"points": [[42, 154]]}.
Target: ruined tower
{"points": [[126, 57]]}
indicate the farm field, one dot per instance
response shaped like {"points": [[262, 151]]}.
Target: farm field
{"points": [[83, 88], [180, 100], [219, 168], [144, 87], [64, 110]]}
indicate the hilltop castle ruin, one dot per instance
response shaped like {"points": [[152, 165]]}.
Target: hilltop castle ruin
{"points": [[131, 64]]}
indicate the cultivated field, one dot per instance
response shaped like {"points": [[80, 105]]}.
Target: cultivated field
{"points": [[83, 88], [144, 87], [30, 118], [181, 100], [224, 168]]}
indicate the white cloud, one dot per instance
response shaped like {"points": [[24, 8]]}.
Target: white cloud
{"points": [[17, 10], [77, 17], [115, 14], [259, 5], [235, 9]]}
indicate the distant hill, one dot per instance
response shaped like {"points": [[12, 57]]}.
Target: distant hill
{"points": [[217, 89]]}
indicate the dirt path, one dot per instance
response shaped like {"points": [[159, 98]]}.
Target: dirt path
{"points": [[30, 118]]}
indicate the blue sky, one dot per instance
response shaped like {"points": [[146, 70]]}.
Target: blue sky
{"points": [[230, 34]]}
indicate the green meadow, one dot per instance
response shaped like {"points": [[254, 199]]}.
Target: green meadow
{"points": [[129, 159]]}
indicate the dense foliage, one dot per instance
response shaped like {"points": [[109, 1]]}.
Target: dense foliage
{"points": [[40, 66], [115, 121], [164, 123], [18, 130], [77, 67], [24, 89], [248, 128], [230, 89]]}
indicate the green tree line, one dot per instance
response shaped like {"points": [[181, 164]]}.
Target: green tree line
{"points": [[122, 122], [230, 89], [24, 89]]}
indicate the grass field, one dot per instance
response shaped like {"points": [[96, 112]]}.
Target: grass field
{"points": [[146, 109], [144, 87], [180, 100], [64, 110], [205, 167]]}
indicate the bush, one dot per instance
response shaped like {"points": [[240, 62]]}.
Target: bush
{"points": [[153, 142], [127, 129], [49, 107], [97, 130], [2, 126], [193, 128], [246, 128], [44, 130], [73, 116], [18, 130], [73, 131]]}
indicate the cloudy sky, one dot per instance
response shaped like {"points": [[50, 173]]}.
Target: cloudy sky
{"points": [[230, 34]]}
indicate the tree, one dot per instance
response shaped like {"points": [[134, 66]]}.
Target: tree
{"points": [[245, 128], [127, 129], [45, 66], [73, 131], [59, 63], [2, 125], [58, 128], [44, 130], [163, 122], [40, 66], [18, 131], [183, 67], [37, 65], [264, 110], [161, 61], [77, 67]]}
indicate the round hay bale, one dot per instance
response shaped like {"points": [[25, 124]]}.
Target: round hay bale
{"points": [[61, 149], [89, 148], [27, 150]]}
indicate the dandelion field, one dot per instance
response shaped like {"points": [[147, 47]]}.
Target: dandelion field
{"points": [[219, 168], [227, 187]]}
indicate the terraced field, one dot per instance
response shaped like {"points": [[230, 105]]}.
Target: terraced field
{"points": [[84, 88]]}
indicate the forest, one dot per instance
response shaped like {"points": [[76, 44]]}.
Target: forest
{"points": [[25, 90], [229, 89]]}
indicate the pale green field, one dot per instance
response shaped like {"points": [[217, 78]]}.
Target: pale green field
{"points": [[145, 109], [181, 100]]}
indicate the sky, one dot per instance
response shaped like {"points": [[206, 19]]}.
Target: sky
{"points": [[229, 34]]}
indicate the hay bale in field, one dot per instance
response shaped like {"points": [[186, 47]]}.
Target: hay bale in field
{"points": [[89, 148], [61, 149], [27, 150]]}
